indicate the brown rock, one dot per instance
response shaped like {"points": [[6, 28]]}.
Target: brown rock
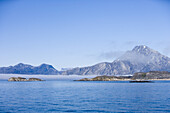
{"points": [[24, 79]]}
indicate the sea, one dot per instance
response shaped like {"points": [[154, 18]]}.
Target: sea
{"points": [[62, 94]]}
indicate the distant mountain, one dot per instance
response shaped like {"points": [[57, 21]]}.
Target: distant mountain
{"points": [[21, 68], [139, 59], [65, 69]]}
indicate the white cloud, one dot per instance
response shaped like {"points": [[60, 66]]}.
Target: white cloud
{"points": [[111, 55]]}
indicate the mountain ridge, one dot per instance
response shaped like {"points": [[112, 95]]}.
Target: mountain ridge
{"points": [[21, 68], [140, 59]]}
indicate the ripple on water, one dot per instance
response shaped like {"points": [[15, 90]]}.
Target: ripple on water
{"points": [[63, 96]]}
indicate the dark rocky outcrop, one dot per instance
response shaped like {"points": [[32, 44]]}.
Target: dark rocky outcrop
{"points": [[24, 79], [141, 81], [35, 79]]}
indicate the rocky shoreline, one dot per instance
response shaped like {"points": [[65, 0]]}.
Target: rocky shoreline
{"points": [[24, 79], [152, 75], [106, 78], [140, 76]]}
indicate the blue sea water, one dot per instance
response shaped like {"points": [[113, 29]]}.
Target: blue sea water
{"points": [[81, 96]]}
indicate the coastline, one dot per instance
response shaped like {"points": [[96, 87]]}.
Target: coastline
{"points": [[75, 77], [5, 77], [159, 79], [127, 80]]}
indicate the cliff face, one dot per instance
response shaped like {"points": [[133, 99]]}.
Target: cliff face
{"points": [[139, 59]]}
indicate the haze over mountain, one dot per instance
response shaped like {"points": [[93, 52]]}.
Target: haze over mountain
{"points": [[139, 59]]}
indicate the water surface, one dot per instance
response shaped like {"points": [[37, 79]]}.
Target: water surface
{"points": [[81, 96]]}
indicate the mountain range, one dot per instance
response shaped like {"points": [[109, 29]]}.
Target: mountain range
{"points": [[21, 68], [139, 59]]}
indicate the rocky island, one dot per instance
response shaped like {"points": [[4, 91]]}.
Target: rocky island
{"points": [[137, 77], [107, 78], [152, 75], [24, 79]]}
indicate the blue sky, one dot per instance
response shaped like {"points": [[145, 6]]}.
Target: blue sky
{"points": [[73, 33]]}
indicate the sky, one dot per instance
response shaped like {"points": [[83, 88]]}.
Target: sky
{"points": [[77, 33]]}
